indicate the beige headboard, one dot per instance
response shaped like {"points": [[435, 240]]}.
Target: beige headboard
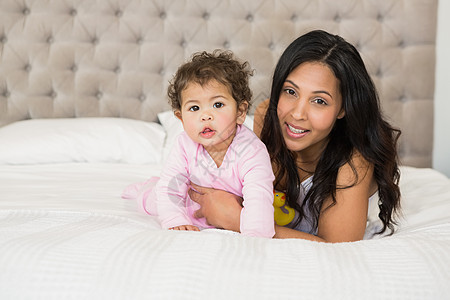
{"points": [[86, 58]]}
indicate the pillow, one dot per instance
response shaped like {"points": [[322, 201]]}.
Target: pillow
{"points": [[118, 140], [172, 126]]}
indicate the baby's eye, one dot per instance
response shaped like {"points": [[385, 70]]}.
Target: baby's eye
{"points": [[194, 108], [320, 101], [218, 105]]}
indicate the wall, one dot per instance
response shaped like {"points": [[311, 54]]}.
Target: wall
{"points": [[441, 145]]}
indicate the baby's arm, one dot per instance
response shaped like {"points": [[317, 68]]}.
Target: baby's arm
{"points": [[257, 215], [172, 188]]}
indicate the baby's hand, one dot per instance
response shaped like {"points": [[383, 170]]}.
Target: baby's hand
{"points": [[185, 227]]}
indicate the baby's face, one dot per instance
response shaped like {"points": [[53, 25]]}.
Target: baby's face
{"points": [[209, 114]]}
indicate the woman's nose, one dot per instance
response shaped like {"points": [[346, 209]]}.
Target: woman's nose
{"points": [[300, 110]]}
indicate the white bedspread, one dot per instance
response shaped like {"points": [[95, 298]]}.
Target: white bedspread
{"points": [[65, 233]]}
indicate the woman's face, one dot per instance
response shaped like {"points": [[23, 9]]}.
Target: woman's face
{"points": [[310, 103]]}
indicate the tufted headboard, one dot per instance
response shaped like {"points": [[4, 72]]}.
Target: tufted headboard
{"points": [[114, 58]]}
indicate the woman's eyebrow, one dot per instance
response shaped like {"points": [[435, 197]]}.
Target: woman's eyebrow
{"points": [[291, 82], [323, 92], [315, 92]]}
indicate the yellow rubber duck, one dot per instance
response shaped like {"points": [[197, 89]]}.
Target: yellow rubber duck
{"points": [[283, 214]]}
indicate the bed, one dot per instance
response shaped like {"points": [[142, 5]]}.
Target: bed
{"points": [[83, 113]]}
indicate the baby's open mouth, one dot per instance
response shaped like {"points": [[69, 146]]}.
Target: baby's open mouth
{"points": [[206, 130], [207, 133]]}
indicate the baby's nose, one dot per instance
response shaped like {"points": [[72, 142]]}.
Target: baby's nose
{"points": [[206, 117]]}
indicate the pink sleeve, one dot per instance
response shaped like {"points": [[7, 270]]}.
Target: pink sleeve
{"points": [[256, 172], [172, 187]]}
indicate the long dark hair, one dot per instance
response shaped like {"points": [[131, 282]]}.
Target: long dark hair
{"points": [[363, 129]]}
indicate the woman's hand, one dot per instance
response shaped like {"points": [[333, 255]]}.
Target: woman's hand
{"points": [[221, 209]]}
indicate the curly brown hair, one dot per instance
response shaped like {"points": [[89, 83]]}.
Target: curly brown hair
{"points": [[219, 65]]}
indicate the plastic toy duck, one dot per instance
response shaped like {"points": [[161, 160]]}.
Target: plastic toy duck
{"points": [[283, 213]]}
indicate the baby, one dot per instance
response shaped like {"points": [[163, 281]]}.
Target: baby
{"points": [[211, 96]]}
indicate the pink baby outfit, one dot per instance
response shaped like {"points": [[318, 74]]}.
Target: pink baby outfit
{"points": [[246, 171]]}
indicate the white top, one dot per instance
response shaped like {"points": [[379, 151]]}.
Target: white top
{"points": [[305, 225]]}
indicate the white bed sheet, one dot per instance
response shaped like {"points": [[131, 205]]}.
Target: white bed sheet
{"points": [[65, 233]]}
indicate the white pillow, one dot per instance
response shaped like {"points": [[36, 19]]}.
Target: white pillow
{"points": [[249, 122], [171, 124], [118, 140]]}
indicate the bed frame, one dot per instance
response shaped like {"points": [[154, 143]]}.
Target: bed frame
{"points": [[114, 58]]}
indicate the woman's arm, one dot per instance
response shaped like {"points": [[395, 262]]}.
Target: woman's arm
{"points": [[220, 208], [345, 221], [282, 232]]}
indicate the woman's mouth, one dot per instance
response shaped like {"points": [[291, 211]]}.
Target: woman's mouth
{"points": [[295, 132]]}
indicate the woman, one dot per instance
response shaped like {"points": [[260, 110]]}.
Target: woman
{"points": [[330, 147]]}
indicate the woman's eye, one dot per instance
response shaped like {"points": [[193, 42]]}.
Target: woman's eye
{"points": [[289, 91], [194, 108], [320, 101], [218, 105]]}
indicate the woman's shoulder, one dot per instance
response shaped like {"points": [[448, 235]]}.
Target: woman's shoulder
{"points": [[262, 106], [259, 115], [357, 162], [357, 170], [358, 159]]}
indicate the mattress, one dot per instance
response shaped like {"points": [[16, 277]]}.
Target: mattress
{"points": [[67, 234]]}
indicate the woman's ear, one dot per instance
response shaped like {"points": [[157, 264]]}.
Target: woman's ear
{"points": [[242, 112], [177, 114], [341, 114]]}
